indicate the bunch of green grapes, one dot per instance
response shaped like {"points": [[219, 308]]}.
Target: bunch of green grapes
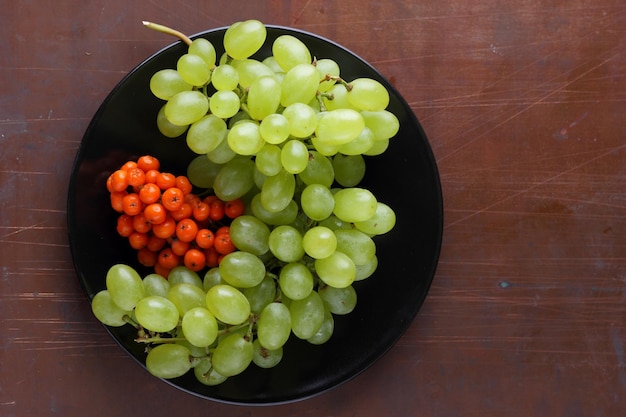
{"points": [[287, 135]]}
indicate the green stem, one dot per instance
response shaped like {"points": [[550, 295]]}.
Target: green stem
{"points": [[168, 31]]}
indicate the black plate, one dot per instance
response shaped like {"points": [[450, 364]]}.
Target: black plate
{"points": [[405, 177]]}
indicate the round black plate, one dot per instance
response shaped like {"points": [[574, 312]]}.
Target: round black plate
{"points": [[405, 177]]}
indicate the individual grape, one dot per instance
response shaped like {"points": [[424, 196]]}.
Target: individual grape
{"points": [[125, 286], [212, 277], [382, 222], [224, 104], [340, 126], [186, 296], [233, 355], [165, 83], [195, 351], [339, 100], [263, 97], [299, 85], [265, 358], [336, 270], [243, 39], [107, 311], [235, 179], [289, 51], [378, 148], [267, 160], [285, 242], [324, 148], [278, 190], [225, 77], [319, 170], [201, 172], [242, 269], [366, 270], [199, 327], [349, 169], [228, 304], [275, 128], [206, 134], [251, 69], [270, 62], [157, 313], [186, 107], [167, 128], [361, 144], [383, 123], [155, 284], [193, 69], [356, 244], [317, 202], [222, 154], [302, 119], [206, 374], [250, 234], [296, 280], [354, 204], [340, 301], [245, 139], [294, 156], [334, 223], [284, 216], [168, 360], [274, 326], [325, 331], [368, 94], [204, 49], [326, 67], [307, 315], [181, 273], [261, 295], [319, 242]]}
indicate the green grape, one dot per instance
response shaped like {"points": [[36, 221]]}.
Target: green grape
{"points": [[186, 107], [222, 154], [212, 277], [299, 85], [242, 39], [107, 311], [361, 144], [186, 296], [289, 51], [324, 148], [157, 313], [250, 234], [242, 269], [377, 148], [251, 69], [204, 49], [339, 100], [224, 104], [340, 126], [383, 123], [302, 119], [195, 351], [326, 67], [354, 204], [319, 170], [356, 244], [202, 172], [241, 116], [235, 179], [334, 223], [368, 94], [193, 69], [307, 315], [275, 128], [317, 202], [382, 222], [284, 216], [261, 295], [271, 63], [325, 331], [181, 273], [285, 242], [199, 327], [228, 304], [263, 97], [366, 270], [155, 284], [296, 280], [265, 358], [339, 301], [336, 270], [206, 134], [233, 355], [259, 178], [165, 83], [278, 191], [168, 360], [319, 242], [274, 326], [349, 169], [225, 77], [125, 286], [267, 160], [244, 138], [167, 128], [206, 374], [294, 156]]}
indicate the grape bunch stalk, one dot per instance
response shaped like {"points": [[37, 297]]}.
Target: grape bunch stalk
{"points": [[287, 135]]}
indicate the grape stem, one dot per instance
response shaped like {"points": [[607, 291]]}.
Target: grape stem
{"points": [[338, 79], [167, 30]]}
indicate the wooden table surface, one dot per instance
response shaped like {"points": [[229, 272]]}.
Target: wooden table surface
{"points": [[524, 104]]}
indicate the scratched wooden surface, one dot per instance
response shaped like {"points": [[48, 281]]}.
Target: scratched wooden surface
{"points": [[524, 103]]}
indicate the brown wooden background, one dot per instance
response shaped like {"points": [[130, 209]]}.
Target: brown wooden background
{"points": [[524, 103]]}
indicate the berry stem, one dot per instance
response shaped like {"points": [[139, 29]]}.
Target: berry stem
{"points": [[167, 30]]}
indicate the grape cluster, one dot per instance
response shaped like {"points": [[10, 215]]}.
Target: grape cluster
{"points": [[287, 136]]}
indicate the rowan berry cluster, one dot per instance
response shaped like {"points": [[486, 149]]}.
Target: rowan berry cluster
{"points": [[165, 221]]}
